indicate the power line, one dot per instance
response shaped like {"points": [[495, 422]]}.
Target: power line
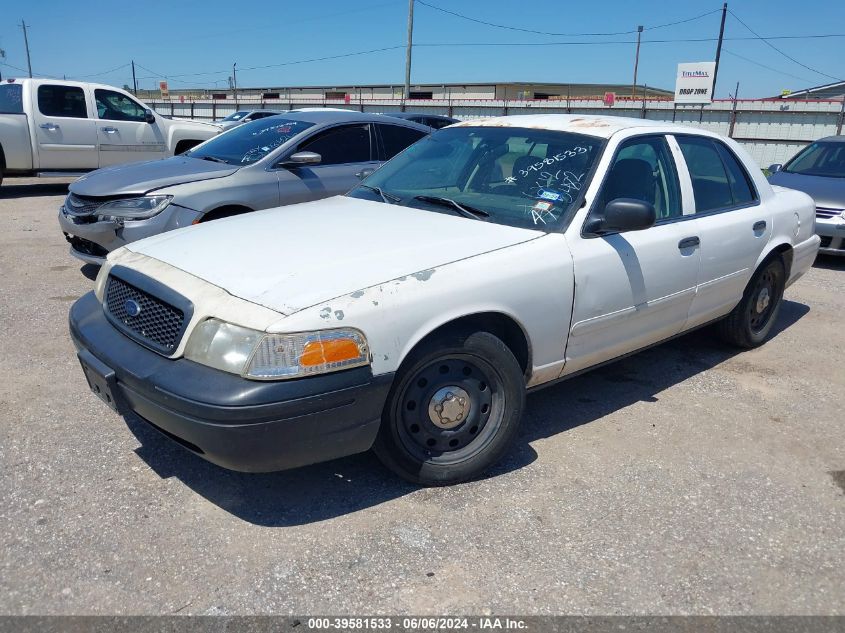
{"points": [[105, 72], [536, 32], [633, 41], [290, 63], [766, 41], [807, 81]]}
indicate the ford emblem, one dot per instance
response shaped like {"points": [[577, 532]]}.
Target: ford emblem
{"points": [[132, 308]]}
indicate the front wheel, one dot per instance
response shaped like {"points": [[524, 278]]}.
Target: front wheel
{"points": [[453, 410], [751, 321]]}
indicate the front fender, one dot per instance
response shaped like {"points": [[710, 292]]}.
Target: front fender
{"points": [[531, 283]]}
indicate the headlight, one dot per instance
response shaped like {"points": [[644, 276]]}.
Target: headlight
{"points": [[135, 208], [261, 356]]}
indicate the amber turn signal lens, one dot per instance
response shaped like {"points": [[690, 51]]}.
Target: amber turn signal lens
{"points": [[331, 351]]}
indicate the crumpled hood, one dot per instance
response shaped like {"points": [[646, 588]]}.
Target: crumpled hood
{"points": [[291, 258], [826, 192], [140, 178]]}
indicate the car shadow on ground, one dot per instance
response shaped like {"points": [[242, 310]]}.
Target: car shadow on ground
{"points": [[324, 491], [10, 190], [830, 262]]}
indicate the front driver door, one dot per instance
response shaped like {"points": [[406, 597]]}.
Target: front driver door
{"points": [[633, 289], [123, 132], [346, 150]]}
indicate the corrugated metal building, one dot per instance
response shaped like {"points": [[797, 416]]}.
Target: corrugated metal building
{"points": [[492, 90], [831, 92]]}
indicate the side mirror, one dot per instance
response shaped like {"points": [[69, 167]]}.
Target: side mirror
{"points": [[149, 117], [623, 214], [775, 168], [301, 159]]}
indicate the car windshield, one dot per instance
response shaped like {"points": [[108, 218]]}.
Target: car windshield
{"points": [[236, 116], [250, 142], [819, 159], [517, 176]]}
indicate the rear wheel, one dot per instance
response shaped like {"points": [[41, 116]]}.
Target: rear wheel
{"points": [[454, 409], [751, 321]]}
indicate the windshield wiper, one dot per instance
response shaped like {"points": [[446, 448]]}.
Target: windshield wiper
{"points": [[214, 159], [463, 209], [389, 198]]}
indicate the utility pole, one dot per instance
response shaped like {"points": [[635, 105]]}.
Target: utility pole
{"points": [[134, 81], [26, 43], [408, 50], [636, 63], [719, 49], [235, 81]]}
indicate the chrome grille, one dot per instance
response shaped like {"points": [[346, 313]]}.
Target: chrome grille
{"points": [[826, 212], [77, 205], [156, 324]]}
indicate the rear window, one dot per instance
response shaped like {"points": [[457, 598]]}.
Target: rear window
{"points": [[11, 99], [63, 101]]}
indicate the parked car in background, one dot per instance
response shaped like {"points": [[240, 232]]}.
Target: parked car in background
{"points": [[434, 121], [279, 160], [245, 116], [413, 314], [819, 170], [50, 127]]}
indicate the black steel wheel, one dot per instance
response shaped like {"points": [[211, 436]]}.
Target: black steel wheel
{"points": [[751, 321], [454, 408]]}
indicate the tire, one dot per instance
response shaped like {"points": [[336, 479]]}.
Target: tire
{"points": [[478, 379], [751, 321]]}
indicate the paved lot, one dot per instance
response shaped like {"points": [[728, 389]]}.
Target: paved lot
{"points": [[687, 479]]}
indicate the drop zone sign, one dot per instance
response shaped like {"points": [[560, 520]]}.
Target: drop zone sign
{"points": [[694, 83]]}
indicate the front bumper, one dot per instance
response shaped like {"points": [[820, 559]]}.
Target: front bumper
{"points": [[236, 423], [832, 233], [92, 239]]}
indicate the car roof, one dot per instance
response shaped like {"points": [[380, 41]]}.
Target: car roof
{"points": [[322, 117], [408, 115], [832, 139], [592, 125]]}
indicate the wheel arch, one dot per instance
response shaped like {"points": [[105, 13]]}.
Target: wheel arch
{"points": [[782, 250], [502, 325], [225, 211]]}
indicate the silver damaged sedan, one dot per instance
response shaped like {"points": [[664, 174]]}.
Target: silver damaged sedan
{"points": [[276, 161]]}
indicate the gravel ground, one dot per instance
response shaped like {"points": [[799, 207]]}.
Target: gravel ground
{"points": [[688, 479]]}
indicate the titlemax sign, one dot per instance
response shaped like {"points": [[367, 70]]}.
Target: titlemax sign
{"points": [[694, 82]]}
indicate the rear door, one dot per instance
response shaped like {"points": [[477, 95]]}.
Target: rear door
{"points": [[122, 130], [732, 225], [65, 130], [346, 150]]}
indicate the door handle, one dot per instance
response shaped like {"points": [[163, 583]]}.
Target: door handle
{"points": [[759, 226], [689, 242], [109, 130], [49, 126]]}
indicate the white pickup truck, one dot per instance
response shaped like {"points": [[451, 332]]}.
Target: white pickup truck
{"points": [[62, 128]]}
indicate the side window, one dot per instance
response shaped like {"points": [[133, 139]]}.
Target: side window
{"points": [[64, 101], [643, 169], [340, 145], [741, 187], [113, 106], [395, 138], [711, 182]]}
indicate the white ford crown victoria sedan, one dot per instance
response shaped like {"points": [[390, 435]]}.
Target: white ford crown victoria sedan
{"points": [[413, 314]]}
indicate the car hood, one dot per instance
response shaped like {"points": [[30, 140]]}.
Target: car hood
{"points": [[140, 178], [826, 192], [294, 257]]}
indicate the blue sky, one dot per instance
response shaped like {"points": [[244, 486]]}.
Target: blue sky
{"points": [[181, 40]]}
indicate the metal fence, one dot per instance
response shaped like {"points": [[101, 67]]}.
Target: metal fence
{"points": [[771, 130]]}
